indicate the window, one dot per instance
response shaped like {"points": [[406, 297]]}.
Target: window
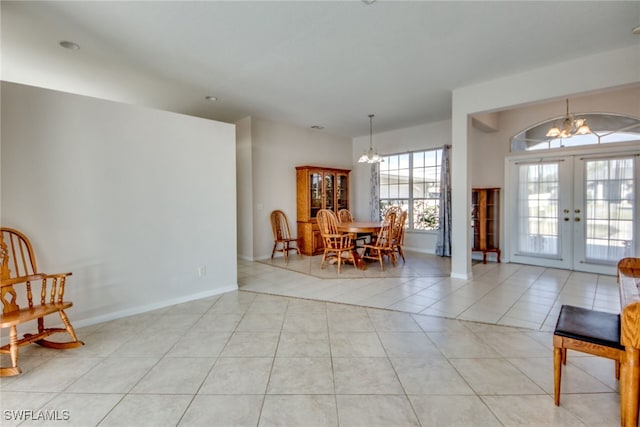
{"points": [[606, 128], [412, 181]]}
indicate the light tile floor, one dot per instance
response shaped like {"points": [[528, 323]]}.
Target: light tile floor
{"points": [[503, 294], [249, 358]]}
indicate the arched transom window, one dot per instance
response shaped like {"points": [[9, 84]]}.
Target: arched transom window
{"points": [[606, 128]]}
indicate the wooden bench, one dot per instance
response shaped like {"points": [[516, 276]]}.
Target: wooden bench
{"points": [[629, 283], [18, 275]]}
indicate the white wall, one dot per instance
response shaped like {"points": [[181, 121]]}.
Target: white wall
{"points": [[244, 182], [422, 137], [488, 150], [131, 200], [582, 75], [277, 149]]}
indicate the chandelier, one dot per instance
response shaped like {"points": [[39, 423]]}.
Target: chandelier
{"points": [[371, 155], [570, 126]]}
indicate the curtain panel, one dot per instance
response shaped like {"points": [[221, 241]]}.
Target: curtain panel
{"points": [[374, 197], [443, 245]]}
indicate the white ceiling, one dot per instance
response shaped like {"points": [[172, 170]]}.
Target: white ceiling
{"points": [[305, 63]]}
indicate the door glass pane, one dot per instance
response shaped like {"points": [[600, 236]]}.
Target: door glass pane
{"points": [[315, 186], [538, 209], [343, 192], [609, 209], [329, 187]]}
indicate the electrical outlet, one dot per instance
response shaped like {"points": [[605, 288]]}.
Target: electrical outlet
{"points": [[202, 271]]}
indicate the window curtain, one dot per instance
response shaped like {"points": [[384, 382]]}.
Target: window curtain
{"points": [[443, 246], [374, 197]]}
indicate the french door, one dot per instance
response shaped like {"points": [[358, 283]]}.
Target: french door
{"points": [[577, 212]]}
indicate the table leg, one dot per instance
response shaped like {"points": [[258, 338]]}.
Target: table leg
{"points": [[629, 377], [358, 260]]}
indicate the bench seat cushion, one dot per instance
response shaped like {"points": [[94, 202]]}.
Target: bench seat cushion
{"points": [[26, 314], [596, 327]]}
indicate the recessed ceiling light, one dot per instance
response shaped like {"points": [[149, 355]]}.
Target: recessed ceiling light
{"points": [[69, 45], [317, 127], [636, 30], [210, 98]]}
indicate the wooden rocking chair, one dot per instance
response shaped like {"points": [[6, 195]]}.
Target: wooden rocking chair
{"points": [[18, 267]]}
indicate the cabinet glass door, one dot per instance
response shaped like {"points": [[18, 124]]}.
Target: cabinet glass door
{"points": [[315, 187], [475, 219], [343, 192], [493, 200], [329, 191]]}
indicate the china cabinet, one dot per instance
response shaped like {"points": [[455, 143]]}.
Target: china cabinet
{"points": [[485, 221], [318, 188]]}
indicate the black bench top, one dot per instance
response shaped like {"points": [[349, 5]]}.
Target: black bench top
{"points": [[596, 327]]}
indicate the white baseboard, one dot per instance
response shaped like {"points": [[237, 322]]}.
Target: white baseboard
{"points": [[54, 320], [150, 307], [257, 258], [420, 250], [461, 276]]}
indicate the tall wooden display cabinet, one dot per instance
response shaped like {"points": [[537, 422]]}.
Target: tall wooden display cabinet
{"points": [[485, 221], [318, 188]]}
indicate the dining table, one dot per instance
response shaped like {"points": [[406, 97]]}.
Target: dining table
{"points": [[360, 227]]}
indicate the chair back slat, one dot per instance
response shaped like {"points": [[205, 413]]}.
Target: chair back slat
{"points": [[18, 258]]}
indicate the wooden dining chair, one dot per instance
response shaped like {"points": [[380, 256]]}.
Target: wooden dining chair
{"points": [[335, 243], [382, 245], [282, 235], [344, 215]]}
